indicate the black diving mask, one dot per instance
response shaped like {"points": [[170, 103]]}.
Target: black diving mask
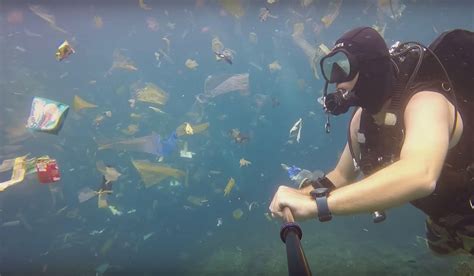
{"points": [[339, 66]]}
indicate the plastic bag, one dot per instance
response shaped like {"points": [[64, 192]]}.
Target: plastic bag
{"points": [[153, 174], [79, 104], [230, 185], [391, 8], [237, 213], [47, 115], [191, 64], [110, 173], [233, 7], [43, 13], [151, 144], [295, 131], [181, 130], [64, 51], [18, 173], [121, 62], [85, 194], [216, 85], [333, 12], [149, 93]]}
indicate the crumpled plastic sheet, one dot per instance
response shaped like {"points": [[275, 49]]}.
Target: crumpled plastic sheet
{"points": [[216, 85]]}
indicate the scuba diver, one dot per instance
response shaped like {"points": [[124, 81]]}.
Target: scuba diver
{"points": [[225, 54], [410, 136]]}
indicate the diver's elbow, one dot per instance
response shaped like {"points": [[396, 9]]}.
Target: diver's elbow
{"points": [[428, 181]]}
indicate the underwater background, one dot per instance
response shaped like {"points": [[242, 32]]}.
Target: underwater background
{"points": [[186, 222]]}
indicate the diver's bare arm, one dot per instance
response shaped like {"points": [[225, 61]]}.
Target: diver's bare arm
{"points": [[427, 122], [344, 173]]}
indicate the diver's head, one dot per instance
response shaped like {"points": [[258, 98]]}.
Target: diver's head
{"points": [[359, 65]]}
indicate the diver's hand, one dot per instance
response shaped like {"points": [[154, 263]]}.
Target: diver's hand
{"points": [[301, 204]]}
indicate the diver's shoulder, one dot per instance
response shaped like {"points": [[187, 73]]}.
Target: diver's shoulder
{"points": [[428, 97]]}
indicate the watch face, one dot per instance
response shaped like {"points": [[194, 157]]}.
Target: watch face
{"points": [[319, 192]]}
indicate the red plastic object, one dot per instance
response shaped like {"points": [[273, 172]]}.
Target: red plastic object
{"points": [[47, 170]]}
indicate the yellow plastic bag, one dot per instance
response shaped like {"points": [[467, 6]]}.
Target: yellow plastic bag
{"points": [[18, 173], [153, 174], [181, 130]]}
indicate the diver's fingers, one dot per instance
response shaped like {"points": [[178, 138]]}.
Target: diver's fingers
{"points": [[275, 205]]}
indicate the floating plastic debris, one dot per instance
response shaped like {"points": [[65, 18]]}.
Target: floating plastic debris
{"points": [[121, 62], [142, 5], [18, 173], [185, 153], [98, 22], [79, 104], [227, 55], [267, 216], [295, 130], [219, 222], [252, 205], [233, 7], [244, 163], [153, 174], [238, 136], [131, 129], [237, 213], [110, 173], [274, 66], [152, 24], [380, 29], [43, 13], [188, 129], [151, 144], [47, 115], [167, 42], [333, 12], [85, 194], [392, 8], [191, 64], [150, 93], [216, 45], [101, 269], [156, 109], [197, 200], [115, 211], [108, 245], [47, 170], [102, 199], [265, 14], [147, 236], [11, 223], [253, 38], [216, 85], [314, 54], [229, 186], [64, 51]]}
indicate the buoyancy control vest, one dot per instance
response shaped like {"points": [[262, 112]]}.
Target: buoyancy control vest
{"points": [[417, 69]]}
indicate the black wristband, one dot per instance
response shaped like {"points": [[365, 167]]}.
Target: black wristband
{"points": [[323, 182]]}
